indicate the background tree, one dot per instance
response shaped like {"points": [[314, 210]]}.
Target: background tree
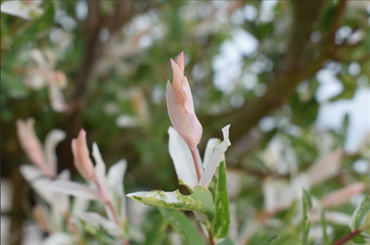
{"points": [[291, 77]]}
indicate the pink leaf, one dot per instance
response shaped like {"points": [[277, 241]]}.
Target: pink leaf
{"points": [[343, 195], [32, 146], [179, 117], [324, 168], [82, 159]]}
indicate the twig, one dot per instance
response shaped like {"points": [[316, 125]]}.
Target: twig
{"points": [[115, 216], [210, 237], [196, 163], [294, 68], [109, 204], [93, 50], [347, 237]]}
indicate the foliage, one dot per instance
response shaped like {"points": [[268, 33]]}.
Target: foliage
{"points": [[290, 79]]}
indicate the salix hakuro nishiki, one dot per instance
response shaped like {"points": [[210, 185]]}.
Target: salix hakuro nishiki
{"points": [[106, 189], [185, 136], [188, 133], [180, 107], [44, 172]]}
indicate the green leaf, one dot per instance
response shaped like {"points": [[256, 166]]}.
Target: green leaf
{"points": [[307, 196], [361, 217], [270, 240], [359, 239], [200, 200], [307, 204], [157, 233], [218, 188], [304, 112], [325, 234], [226, 241], [349, 87], [183, 226], [13, 84], [38, 26]]}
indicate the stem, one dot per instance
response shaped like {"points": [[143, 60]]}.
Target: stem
{"points": [[210, 237], [115, 216], [109, 203], [347, 237], [196, 163]]}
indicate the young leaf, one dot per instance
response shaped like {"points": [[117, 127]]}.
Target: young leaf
{"points": [[221, 221], [216, 158], [182, 159], [37, 27], [58, 238], [183, 226], [97, 221], [200, 200], [226, 241], [307, 204], [157, 233], [270, 240], [307, 196], [325, 234], [359, 239], [360, 217], [75, 189]]}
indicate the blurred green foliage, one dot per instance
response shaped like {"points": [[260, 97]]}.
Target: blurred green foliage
{"points": [[161, 30]]}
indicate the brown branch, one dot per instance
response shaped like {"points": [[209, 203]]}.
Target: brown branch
{"points": [[93, 50], [293, 69], [210, 237], [16, 220], [121, 16], [347, 237]]}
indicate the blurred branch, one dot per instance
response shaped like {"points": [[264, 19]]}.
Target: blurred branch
{"points": [[93, 50], [348, 237], [122, 15], [16, 220], [293, 69]]}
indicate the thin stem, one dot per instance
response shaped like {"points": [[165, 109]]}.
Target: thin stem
{"points": [[210, 237], [110, 205], [347, 237], [196, 163], [115, 216]]}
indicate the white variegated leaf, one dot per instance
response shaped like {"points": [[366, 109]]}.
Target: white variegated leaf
{"points": [[35, 177], [80, 205], [53, 138], [56, 97], [59, 238], [215, 159], [200, 200], [100, 171], [61, 201], [182, 159], [76, 189], [116, 175], [20, 9], [97, 221], [211, 145]]}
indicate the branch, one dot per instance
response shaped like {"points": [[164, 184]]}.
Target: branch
{"points": [[16, 220], [93, 50], [293, 69], [347, 237]]}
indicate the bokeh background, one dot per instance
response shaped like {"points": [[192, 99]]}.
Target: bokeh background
{"points": [[291, 77]]}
